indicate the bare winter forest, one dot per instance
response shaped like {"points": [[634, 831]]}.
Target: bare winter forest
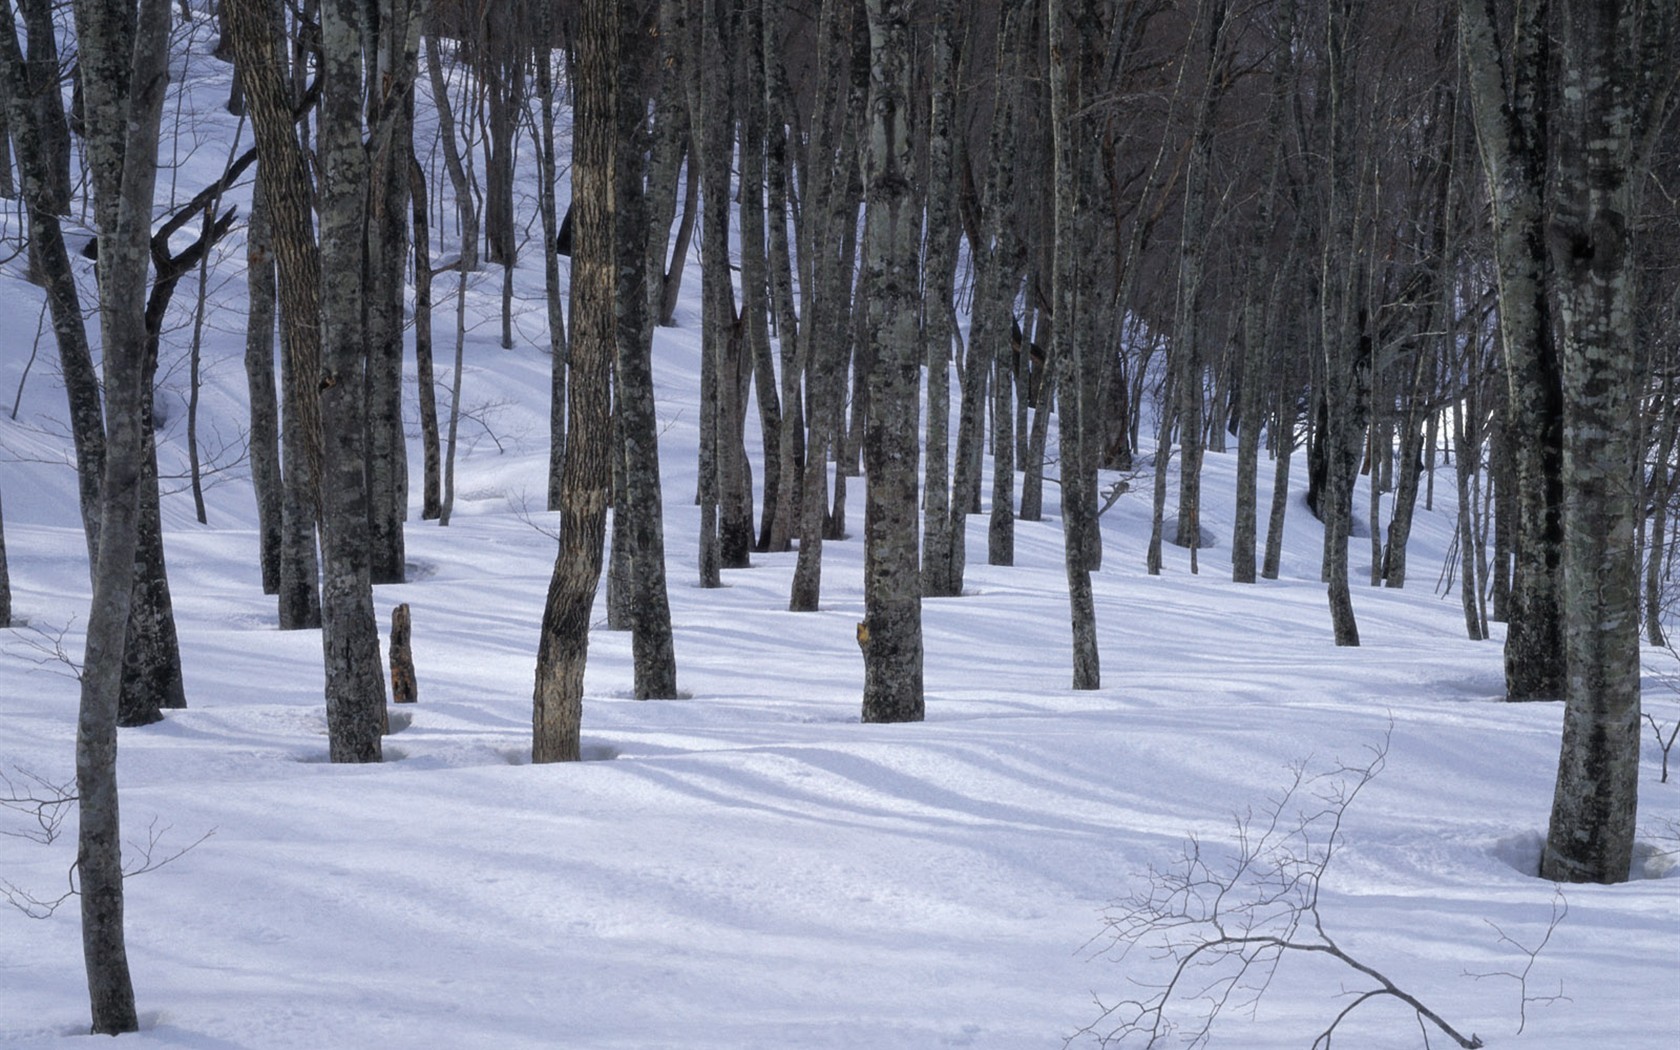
{"points": [[1057, 368]]}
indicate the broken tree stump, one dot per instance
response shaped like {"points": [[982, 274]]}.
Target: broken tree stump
{"points": [[404, 688]]}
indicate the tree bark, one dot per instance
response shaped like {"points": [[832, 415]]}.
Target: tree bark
{"points": [[281, 162], [892, 659], [639, 518], [355, 677], [1072, 31], [259, 380], [825, 285], [393, 63], [1510, 99], [563, 648], [127, 73], [1591, 230]]}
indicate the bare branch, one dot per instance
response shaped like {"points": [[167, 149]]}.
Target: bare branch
{"points": [[1560, 908], [1221, 925]]}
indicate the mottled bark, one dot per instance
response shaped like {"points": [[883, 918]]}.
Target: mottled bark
{"points": [[789, 497], [466, 193], [986, 338], [756, 305], [1344, 342], [892, 657], [124, 117], [1511, 99], [1591, 226], [548, 210], [638, 516], [355, 677], [431, 482]]}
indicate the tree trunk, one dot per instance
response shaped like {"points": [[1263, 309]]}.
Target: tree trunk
{"points": [[1511, 97], [825, 285], [1345, 342], [639, 519], [127, 75], [259, 380], [393, 64], [355, 677], [547, 173], [431, 495], [756, 303], [938, 314], [280, 158], [1607, 75], [892, 657], [466, 193], [1073, 32], [597, 306]]}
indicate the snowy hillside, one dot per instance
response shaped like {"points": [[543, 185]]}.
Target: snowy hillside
{"points": [[751, 867]]}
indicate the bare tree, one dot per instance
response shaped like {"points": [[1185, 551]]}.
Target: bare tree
{"points": [[126, 74], [563, 648], [892, 657], [1507, 53], [355, 677], [1618, 79]]}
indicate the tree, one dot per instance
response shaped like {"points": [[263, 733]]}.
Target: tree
{"points": [[826, 237], [33, 127], [938, 315], [892, 653], [1512, 100], [1616, 85], [126, 74], [283, 171], [1073, 25], [1345, 341], [355, 677], [563, 648], [266, 476], [392, 62], [641, 511]]}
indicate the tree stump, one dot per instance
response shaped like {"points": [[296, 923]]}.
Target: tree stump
{"points": [[404, 688]]}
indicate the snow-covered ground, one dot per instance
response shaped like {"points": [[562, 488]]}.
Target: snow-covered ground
{"points": [[750, 866]]}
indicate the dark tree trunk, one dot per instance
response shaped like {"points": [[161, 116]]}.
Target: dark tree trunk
{"points": [[392, 66], [1073, 26], [892, 655], [355, 677], [280, 157], [638, 516], [431, 485], [259, 380], [938, 316], [1507, 78], [563, 649]]}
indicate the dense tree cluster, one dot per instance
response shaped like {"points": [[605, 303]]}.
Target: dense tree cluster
{"points": [[1388, 235]]}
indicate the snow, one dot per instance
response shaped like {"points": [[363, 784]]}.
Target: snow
{"points": [[751, 866]]}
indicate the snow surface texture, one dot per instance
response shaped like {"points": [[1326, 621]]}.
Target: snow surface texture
{"points": [[750, 866]]}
